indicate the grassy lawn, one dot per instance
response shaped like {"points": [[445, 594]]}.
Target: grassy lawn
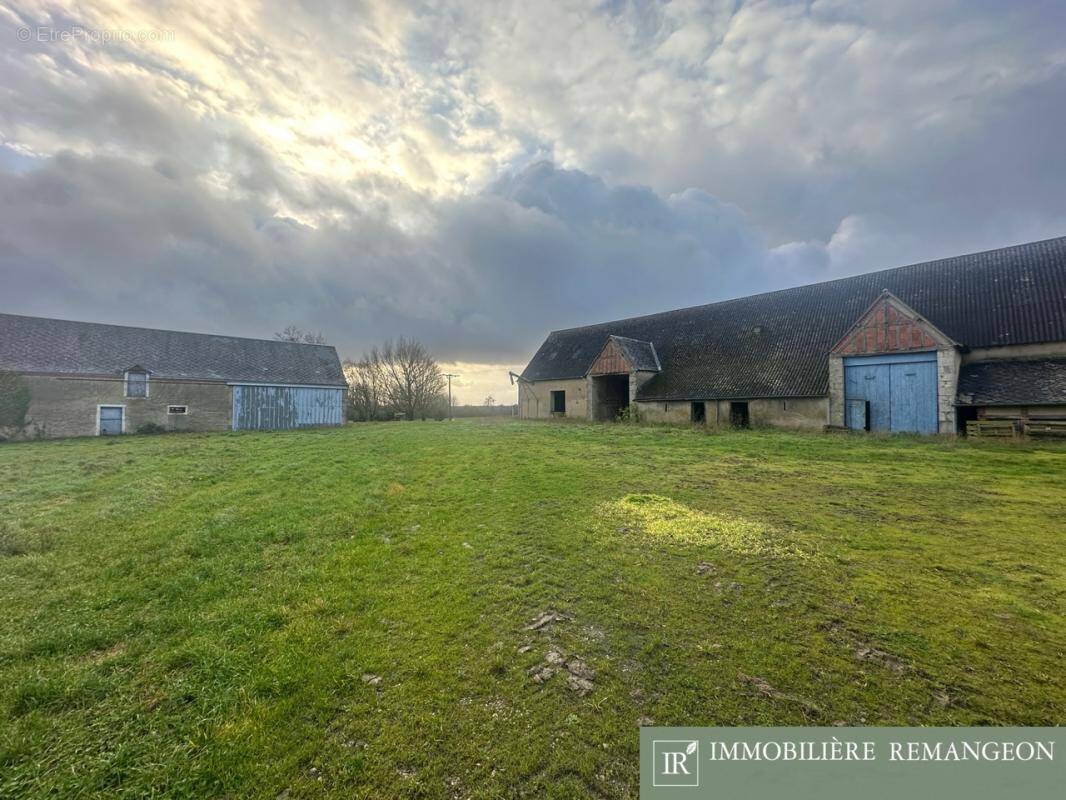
{"points": [[344, 612]]}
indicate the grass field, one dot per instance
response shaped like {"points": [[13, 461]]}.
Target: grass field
{"points": [[344, 612]]}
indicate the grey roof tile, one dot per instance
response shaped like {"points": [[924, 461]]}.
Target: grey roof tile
{"points": [[1027, 382], [777, 344], [36, 344]]}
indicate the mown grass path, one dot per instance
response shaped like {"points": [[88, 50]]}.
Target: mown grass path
{"points": [[341, 612]]}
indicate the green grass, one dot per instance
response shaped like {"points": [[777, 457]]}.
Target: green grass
{"points": [[194, 615]]}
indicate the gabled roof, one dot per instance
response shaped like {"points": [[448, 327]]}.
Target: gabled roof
{"points": [[777, 344], [640, 355], [36, 344], [1013, 383]]}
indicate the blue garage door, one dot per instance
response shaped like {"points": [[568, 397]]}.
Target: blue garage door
{"points": [[277, 407], [900, 391]]}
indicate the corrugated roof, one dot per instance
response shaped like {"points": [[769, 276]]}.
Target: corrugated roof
{"points": [[36, 344], [1028, 382], [777, 344]]}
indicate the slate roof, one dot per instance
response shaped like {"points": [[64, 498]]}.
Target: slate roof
{"points": [[36, 344], [1030, 382], [777, 344], [640, 355]]}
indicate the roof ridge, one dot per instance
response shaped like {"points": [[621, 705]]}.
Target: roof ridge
{"points": [[163, 330], [929, 263]]}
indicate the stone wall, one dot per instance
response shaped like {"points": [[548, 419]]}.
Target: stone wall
{"points": [[534, 399], [947, 388], [68, 405], [803, 413]]}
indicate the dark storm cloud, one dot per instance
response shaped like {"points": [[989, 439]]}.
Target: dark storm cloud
{"points": [[490, 273], [476, 174]]}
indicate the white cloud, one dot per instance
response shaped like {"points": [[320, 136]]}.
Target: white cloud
{"points": [[477, 173]]}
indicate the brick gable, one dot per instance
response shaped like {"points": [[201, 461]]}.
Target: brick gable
{"points": [[890, 326]]}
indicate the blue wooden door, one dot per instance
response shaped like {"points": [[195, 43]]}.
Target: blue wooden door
{"points": [[901, 390], [913, 405], [111, 420], [868, 382]]}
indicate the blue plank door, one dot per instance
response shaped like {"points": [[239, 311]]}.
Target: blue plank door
{"points": [[279, 407], [901, 390], [111, 420]]}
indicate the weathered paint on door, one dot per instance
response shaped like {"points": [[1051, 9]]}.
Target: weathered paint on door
{"points": [[901, 390], [279, 407], [111, 420]]}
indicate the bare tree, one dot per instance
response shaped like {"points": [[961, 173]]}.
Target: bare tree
{"points": [[366, 389], [398, 378], [294, 334], [412, 379], [489, 401]]}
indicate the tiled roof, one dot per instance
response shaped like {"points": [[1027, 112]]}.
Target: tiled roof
{"points": [[1028, 382], [777, 344], [35, 344], [640, 355]]}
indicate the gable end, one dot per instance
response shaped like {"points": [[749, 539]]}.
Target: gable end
{"points": [[890, 326]]}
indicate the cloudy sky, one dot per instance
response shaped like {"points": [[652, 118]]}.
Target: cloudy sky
{"points": [[475, 174]]}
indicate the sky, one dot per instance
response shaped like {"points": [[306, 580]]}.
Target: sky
{"points": [[476, 174]]}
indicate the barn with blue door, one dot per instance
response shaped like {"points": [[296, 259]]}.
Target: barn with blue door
{"points": [[91, 379], [891, 392], [975, 343]]}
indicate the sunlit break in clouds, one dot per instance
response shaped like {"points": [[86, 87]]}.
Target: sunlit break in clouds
{"points": [[476, 174]]}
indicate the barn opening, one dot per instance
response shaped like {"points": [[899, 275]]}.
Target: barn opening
{"points": [[699, 412], [612, 395], [738, 415], [559, 401]]}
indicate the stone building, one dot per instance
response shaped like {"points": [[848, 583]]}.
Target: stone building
{"points": [[87, 379], [922, 348]]}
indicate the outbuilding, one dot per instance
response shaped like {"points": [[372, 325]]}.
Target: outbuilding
{"points": [[924, 348], [91, 379]]}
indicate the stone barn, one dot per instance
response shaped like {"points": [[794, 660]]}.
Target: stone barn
{"points": [[88, 379], [925, 348]]}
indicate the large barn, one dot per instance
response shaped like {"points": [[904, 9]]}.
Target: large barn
{"points": [[87, 379], [923, 348]]}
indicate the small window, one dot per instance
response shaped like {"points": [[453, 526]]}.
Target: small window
{"points": [[136, 383], [559, 402], [177, 409]]}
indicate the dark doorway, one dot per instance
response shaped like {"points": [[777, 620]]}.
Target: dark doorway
{"points": [[738, 415], [612, 396], [559, 402], [964, 414], [699, 412]]}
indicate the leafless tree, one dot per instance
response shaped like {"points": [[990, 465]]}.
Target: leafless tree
{"points": [[399, 377], [366, 389], [489, 401], [294, 334], [412, 379]]}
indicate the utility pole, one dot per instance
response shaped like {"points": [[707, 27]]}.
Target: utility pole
{"points": [[449, 376]]}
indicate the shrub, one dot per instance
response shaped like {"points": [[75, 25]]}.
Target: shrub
{"points": [[151, 428], [14, 401]]}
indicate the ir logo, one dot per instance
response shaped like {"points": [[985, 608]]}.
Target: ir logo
{"points": [[676, 762]]}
